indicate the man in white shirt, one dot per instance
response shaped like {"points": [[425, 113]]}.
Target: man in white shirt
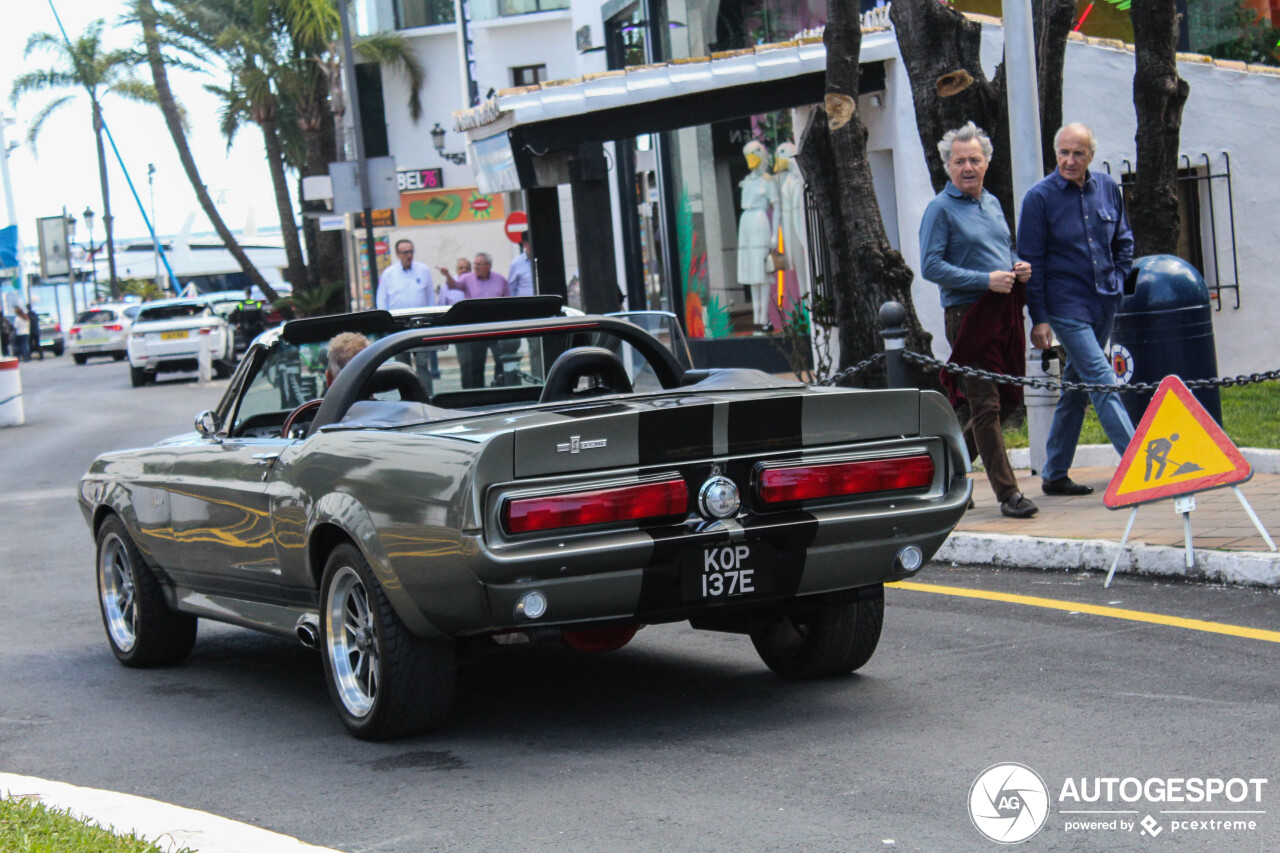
{"points": [[406, 283], [520, 277]]}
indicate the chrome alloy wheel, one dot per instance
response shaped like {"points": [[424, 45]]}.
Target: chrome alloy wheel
{"points": [[352, 642], [118, 593]]}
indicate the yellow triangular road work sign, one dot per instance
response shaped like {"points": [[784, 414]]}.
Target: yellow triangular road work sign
{"points": [[1177, 449]]}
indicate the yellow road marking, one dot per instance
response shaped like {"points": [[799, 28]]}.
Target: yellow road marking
{"points": [[1097, 610]]}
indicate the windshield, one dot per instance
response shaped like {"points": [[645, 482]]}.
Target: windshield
{"points": [[101, 315], [172, 312]]}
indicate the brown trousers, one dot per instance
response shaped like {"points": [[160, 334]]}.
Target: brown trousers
{"points": [[984, 429]]}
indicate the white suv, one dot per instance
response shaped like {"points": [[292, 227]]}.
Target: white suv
{"points": [[102, 330], [168, 335]]}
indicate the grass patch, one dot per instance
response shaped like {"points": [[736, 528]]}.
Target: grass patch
{"points": [[1250, 417], [27, 826]]}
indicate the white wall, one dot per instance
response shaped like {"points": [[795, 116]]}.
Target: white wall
{"points": [[1228, 110]]}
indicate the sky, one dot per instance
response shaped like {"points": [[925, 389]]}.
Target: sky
{"points": [[62, 171]]}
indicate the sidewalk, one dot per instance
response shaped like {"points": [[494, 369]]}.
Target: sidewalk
{"points": [[1079, 533]]}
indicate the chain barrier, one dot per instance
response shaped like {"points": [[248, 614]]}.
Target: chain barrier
{"points": [[849, 372], [1055, 384]]}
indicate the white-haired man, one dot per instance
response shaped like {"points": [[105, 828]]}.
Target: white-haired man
{"points": [[966, 251], [1076, 236]]}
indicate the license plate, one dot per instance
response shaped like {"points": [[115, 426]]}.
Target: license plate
{"points": [[730, 570], [173, 336]]}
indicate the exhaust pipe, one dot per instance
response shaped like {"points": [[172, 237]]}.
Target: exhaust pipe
{"points": [[308, 630]]}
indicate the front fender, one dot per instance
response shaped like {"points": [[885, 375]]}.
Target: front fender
{"points": [[349, 515]]}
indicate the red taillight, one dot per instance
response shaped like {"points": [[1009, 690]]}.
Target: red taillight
{"points": [[111, 328], [75, 330], [57, 327], [806, 482], [205, 330], [600, 506]]}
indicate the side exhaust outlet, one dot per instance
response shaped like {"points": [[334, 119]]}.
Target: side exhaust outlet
{"points": [[308, 630]]}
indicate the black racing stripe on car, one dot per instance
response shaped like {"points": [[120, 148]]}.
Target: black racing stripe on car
{"points": [[782, 539], [675, 433], [766, 425]]}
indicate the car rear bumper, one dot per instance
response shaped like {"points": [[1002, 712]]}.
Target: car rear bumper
{"points": [[810, 553]]}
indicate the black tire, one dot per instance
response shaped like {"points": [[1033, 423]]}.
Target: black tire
{"points": [[140, 377], [79, 358], [141, 629], [222, 369], [118, 356], [823, 638], [405, 685], [58, 349]]}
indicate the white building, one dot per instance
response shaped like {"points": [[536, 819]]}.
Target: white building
{"points": [[1228, 123]]}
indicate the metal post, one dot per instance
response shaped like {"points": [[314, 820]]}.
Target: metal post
{"points": [[362, 166], [893, 318], [1025, 157]]}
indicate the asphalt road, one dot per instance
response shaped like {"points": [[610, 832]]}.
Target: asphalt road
{"points": [[681, 741]]}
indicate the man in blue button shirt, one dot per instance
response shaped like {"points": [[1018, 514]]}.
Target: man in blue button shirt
{"points": [[965, 246], [1074, 233]]}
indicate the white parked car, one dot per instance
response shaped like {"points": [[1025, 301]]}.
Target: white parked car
{"points": [[102, 330], [167, 336]]}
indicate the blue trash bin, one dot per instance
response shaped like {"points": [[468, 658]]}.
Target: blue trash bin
{"points": [[1165, 326]]}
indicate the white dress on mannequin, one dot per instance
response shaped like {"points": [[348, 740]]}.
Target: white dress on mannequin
{"points": [[792, 215], [759, 194]]}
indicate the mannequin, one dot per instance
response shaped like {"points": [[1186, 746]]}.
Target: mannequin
{"points": [[759, 197], [791, 215]]}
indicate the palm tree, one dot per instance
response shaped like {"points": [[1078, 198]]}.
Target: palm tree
{"points": [[152, 27], [84, 64]]}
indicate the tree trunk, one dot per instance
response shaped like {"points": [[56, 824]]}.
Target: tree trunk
{"points": [[297, 270], [324, 248], [108, 222], [1052, 20], [865, 270], [941, 50], [172, 119], [1158, 96]]}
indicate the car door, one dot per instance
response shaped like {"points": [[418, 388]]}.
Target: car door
{"points": [[221, 516]]}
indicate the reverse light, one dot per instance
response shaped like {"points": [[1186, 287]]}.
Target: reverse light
{"points": [[642, 501], [531, 605], [807, 482]]}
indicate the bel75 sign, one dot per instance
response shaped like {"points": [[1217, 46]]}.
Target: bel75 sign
{"points": [[410, 180]]}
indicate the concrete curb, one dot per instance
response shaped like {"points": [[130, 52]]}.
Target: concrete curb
{"points": [[167, 826], [1104, 455], [1248, 568]]}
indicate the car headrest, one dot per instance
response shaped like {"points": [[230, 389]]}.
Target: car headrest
{"points": [[400, 377], [603, 370]]}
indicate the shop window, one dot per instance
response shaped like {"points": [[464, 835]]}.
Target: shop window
{"points": [[423, 13], [528, 75], [525, 7]]}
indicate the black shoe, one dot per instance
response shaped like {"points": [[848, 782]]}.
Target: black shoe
{"points": [[1018, 507], [1064, 486]]}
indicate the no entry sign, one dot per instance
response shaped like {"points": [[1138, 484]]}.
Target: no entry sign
{"points": [[516, 226]]}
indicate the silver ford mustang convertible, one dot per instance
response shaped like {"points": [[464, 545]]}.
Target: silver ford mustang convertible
{"points": [[509, 470]]}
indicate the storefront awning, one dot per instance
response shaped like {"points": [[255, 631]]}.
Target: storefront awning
{"points": [[655, 98]]}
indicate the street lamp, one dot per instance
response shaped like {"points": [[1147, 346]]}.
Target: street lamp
{"points": [[437, 140], [93, 262]]}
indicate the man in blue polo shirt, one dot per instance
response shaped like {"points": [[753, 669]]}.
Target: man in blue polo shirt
{"points": [[1075, 234], [965, 249]]}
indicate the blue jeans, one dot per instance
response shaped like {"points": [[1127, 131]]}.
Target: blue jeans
{"points": [[1086, 362]]}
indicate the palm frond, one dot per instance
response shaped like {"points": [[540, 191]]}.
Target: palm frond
{"points": [[33, 130], [39, 81], [392, 51], [139, 91], [312, 24]]}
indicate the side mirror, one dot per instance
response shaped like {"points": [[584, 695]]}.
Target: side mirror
{"points": [[207, 424]]}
